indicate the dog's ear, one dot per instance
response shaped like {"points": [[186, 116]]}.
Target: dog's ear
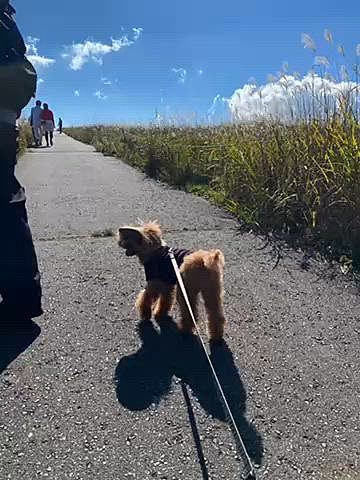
{"points": [[132, 234], [152, 229]]}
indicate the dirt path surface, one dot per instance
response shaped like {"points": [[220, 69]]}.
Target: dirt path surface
{"points": [[96, 396]]}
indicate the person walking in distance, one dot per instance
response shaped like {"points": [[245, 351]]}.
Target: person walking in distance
{"points": [[60, 125], [35, 123], [48, 123], [20, 288]]}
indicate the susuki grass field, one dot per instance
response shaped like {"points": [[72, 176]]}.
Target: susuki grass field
{"points": [[302, 180]]}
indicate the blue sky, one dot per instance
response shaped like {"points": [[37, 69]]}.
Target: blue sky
{"points": [[173, 57]]}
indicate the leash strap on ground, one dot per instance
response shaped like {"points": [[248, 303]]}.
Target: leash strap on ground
{"points": [[249, 469]]}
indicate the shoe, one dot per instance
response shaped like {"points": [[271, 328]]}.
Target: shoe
{"points": [[17, 325], [8, 312]]}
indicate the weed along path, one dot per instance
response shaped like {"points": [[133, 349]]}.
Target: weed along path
{"points": [[95, 397]]}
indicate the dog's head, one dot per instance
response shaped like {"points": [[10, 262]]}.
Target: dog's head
{"points": [[141, 241]]}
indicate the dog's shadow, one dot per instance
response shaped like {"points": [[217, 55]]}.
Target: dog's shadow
{"points": [[145, 377]]}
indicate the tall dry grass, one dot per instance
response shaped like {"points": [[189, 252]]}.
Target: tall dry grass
{"points": [[25, 136]]}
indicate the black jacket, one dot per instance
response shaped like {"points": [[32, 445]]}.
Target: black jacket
{"points": [[11, 41]]}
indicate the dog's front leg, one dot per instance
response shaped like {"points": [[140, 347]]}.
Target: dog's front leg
{"points": [[165, 302], [146, 299]]}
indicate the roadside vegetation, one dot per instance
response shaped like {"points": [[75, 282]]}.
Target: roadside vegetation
{"points": [[25, 137]]}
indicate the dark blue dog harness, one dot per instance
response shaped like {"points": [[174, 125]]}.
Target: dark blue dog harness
{"points": [[159, 266]]}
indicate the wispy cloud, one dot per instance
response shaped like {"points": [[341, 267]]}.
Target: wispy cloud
{"points": [[137, 33], [181, 74], [33, 54], [106, 81], [200, 72], [81, 53], [40, 81], [98, 94], [76, 93]]}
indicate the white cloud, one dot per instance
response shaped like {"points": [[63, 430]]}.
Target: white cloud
{"points": [[33, 54], [76, 93], [98, 94], [181, 74], [40, 80], [106, 81], [200, 72], [137, 33], [81, 53], [289, 97]]}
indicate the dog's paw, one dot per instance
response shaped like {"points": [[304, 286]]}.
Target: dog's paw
{"points": [[217, 341], [188, 330], [161, 317], [145, 316]]}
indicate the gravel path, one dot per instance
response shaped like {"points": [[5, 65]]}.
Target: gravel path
{"points": [[95, 395]]}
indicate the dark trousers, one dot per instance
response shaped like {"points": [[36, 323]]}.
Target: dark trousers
{"points": [[20, 287]]}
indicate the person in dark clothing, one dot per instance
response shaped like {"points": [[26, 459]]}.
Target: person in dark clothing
{"points": [[20, 288], [60, 124], [48, 122]]}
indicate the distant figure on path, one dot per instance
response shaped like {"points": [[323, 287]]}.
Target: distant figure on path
{"points": [[35, 123], [60, 125], [47, 120]]}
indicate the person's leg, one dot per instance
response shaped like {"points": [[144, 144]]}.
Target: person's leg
{"points": [[51, 138], [39, 134], [34, 135], [47, 138], [20, 288]]}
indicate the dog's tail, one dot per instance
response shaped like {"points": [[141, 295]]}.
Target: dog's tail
{"points": [[215, 258]]}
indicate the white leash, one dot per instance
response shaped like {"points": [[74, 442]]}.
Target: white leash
{"points": [[249, 473]]}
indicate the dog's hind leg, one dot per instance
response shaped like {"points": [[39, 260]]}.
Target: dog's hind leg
{"points": [[212, 292], [186, 322]]}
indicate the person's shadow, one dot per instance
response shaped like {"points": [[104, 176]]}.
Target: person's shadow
{"points": [[14, 341], [144, 377]]}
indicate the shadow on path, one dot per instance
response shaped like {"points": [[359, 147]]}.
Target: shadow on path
{"points": [[14, 341], [145, 377]]}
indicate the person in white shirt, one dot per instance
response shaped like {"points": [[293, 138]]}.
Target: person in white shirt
{"points": [[35, 122]]}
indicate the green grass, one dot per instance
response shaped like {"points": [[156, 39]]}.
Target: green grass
{"points": [[302, 180]]}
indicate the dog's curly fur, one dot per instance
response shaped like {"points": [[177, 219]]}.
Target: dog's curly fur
{"points": [[202, 272]]}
